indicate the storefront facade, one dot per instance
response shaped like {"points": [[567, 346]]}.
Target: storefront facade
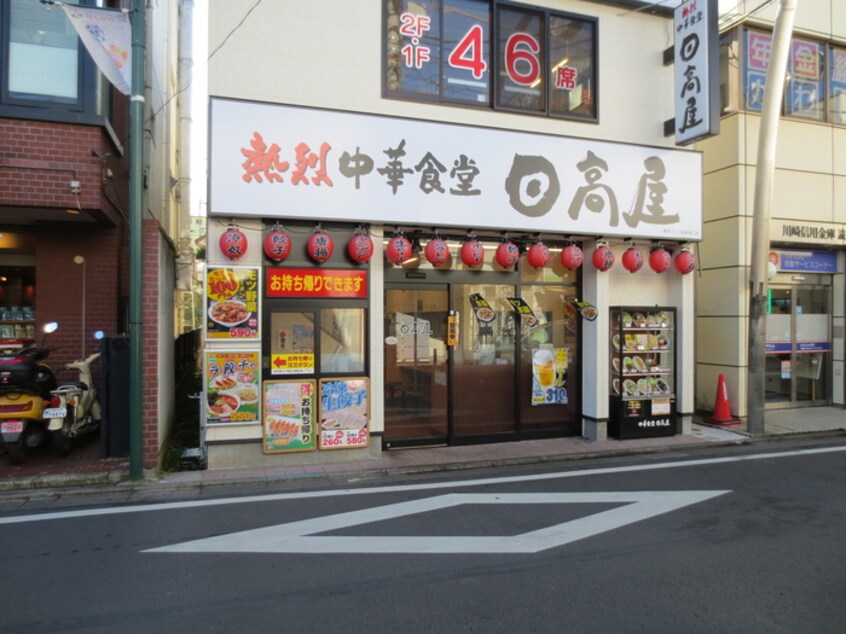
{"points": [[386, 271], [807, 238]]}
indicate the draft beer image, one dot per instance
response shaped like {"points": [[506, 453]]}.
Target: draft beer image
{"points": [[544, 362]]}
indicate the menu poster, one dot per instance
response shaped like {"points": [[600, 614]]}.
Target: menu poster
{"points": [[549, 376], [231, 386], [482, 309], [524, 310], [344, 413], [232, 310], [289, 411]]}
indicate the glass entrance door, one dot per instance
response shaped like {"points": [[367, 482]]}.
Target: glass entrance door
{"points": [[416, 365], [798, 345]]}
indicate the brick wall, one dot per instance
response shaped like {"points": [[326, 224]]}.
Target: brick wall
{"points": [[151, 305], [38, 160]]}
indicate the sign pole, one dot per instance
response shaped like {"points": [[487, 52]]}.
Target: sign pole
{"points": [[136, 183], [765, 176]]}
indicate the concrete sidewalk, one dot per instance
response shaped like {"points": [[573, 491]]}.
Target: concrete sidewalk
{"points": [[420, 460]]}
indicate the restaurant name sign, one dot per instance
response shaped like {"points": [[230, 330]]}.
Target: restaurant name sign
{"points": [[283, 161]]}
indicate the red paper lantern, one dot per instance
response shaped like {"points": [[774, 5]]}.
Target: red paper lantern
{"points": [[398, 249], [472, 253], [320, 246], [633, 259], [660, 260], [507, 254], [538, 255], [685, 262], [360, 247], [603, 258], [277, 245], [233, 243], [572, 257], [437, 251]]}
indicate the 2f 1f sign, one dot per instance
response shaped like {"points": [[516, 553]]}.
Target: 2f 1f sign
{"points": [[697, 70]]}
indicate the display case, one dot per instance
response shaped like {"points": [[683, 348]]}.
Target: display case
{"points": [[643, 372]]}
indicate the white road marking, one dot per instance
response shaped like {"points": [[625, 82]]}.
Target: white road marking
{"points": [[297, 537], [168, 506]]}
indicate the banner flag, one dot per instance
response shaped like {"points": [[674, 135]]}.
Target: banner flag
{"points": [[107, 35]]}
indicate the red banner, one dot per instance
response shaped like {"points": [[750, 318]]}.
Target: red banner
{"points": [[315, 283]]}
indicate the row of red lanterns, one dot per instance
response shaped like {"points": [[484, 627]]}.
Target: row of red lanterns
{"points": [[320, 246]]}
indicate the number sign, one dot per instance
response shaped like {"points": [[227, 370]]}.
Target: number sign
{"points": [[444, 50]]}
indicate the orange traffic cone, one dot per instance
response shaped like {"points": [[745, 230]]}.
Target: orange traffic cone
{"points": [[722, 411]]}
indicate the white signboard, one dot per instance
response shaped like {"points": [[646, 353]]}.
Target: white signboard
{"points": [[289, 162], [696, 66]]}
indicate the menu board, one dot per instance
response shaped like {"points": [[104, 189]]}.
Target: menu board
{"points": [[289, 411], [344, 413], [232, 310], [231, 386]]}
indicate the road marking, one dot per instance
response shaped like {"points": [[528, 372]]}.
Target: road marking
{"points": [[168, 506], [298, 537]]}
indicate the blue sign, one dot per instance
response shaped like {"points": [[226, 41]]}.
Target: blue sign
{"points": [[807, 261], [813, 346]]}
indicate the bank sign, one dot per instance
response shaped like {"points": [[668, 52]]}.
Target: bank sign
{"points": [[279, 161]]}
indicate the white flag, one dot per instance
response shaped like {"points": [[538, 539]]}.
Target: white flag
{"points": [[107, 35]]}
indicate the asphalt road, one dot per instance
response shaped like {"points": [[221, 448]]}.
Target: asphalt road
{"points": [[746, 539]]}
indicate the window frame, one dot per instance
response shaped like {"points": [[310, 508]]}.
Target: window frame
{"points": [[494, 64], [86, 110]]}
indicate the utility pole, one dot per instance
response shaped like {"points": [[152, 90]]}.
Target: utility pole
{"points": [[765, 176], [138, 21]]}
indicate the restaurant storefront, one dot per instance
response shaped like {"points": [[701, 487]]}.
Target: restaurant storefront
{"points": [[428, 308]]}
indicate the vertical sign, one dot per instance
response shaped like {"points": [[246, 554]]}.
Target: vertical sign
{"points": [[344, 413], [231, 386], [697, 70], [289, 411]]}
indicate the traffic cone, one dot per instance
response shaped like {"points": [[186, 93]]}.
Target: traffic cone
{"points": [[722, 411]]}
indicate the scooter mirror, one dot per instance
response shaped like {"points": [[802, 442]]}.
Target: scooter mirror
{"points": [[51, 326], [99, 335]]}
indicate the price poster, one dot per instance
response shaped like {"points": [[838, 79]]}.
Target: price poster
{"points": [[232, 310], [231, 386], [344, 413], [289, 413], [549, 376]]}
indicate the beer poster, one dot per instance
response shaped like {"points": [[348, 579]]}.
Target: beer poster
{"points": [[231, 386], [232, 304], [289, 413], [549, 376]]}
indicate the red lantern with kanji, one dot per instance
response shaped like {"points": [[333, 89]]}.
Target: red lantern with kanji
{"points": [[233, 243], [360, 247], [472, 253], [538, 255], [633, 259], [572, 256], [398, 249], [660, 260], [437, 251], [277, 245], [320, 246], [507, 254], [685, 262], [603, 257]]}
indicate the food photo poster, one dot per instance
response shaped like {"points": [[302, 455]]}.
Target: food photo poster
{"points": [[231, 382], [232, 304]]}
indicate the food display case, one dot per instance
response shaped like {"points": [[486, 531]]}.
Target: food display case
{"points": [[643, 372]]}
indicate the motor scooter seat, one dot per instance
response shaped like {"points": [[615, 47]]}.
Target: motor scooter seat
{"points": [[73, 384]]}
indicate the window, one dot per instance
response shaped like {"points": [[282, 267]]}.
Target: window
{"points": [[811, 82], [44, 64], [448, 51], [342, 340]]}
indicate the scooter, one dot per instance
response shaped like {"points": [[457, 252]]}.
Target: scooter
{"points": [[74, 409], [25, 386]]}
